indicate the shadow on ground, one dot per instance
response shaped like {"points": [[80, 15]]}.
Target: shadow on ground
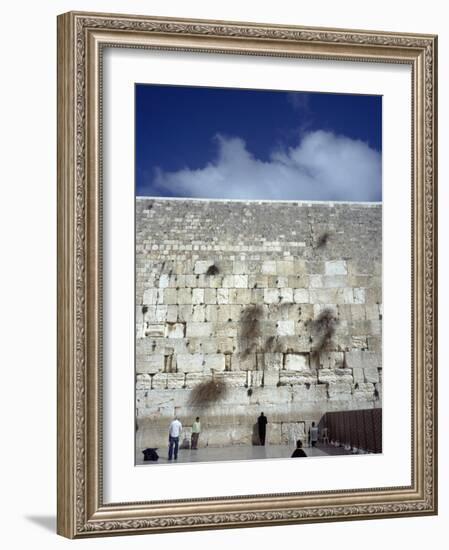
{"points": [[46, 522]]}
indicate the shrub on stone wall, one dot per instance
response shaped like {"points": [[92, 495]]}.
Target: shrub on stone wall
{"points": [[207, 393]]}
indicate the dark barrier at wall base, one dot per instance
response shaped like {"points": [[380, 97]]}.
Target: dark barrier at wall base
{"points": [[356, 429]]}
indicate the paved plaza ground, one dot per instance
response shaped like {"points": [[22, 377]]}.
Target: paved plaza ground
{"points": [[237, 452]]}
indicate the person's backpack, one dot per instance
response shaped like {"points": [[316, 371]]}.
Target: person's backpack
{"points": [[150, 454], [185, 444]]}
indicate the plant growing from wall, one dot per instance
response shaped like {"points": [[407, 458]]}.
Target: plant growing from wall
{"points": [[212, 270], [207, 393], [323, 329], [250, 328], [323, 240]]}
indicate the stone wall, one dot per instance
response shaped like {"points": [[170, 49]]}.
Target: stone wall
{"points": [[281, 301]]}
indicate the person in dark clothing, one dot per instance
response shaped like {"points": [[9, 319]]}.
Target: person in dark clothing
{"points": [[298, 452], [262, 425]]}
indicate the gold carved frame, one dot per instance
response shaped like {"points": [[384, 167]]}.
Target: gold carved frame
{"points": [[81, 38]]}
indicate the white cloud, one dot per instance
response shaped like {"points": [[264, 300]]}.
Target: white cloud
{"points": [[323, 166]]}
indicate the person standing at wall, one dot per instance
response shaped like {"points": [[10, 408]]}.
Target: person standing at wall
{"points": [[196, 430], [262, 425], [313, 434], [174, 432], [299, 451]]}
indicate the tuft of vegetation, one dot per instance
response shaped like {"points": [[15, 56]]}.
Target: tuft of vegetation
{"points": [[212, 270], [208, 393], [323, 328], [144, 309], [323, 239], [250, 328]]}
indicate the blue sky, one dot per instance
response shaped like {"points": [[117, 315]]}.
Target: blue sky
{"points": [[254, 144]]}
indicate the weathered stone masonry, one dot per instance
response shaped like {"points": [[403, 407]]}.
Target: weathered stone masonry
{"points": [[232, 291]]}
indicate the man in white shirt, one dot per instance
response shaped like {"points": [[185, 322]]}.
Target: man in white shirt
{"points": [[174, 432]]}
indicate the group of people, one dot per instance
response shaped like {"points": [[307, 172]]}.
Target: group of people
{"points": [[175, 429]]}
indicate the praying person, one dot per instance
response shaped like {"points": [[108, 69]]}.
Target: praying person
{"points": [[196, 430], [299, 451], [262, 425]]}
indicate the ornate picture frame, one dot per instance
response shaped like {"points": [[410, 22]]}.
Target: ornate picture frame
{"points": [[82, 38]]}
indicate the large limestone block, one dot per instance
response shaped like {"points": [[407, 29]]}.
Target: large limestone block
{"points": [[301, 296], [270, 361], [199, 330], [150, 296], [211, 314], [286, 295], [190, 362], [358, 376], [155, 331], [268, 267], [152, 364], [335, 267], [185, 313], [335, 281], [285, 268], [215, 362], [273, 436], [297, 362], [159, 381], [202, 266], [172, 313], [170, 296], [240, 281], [364, 392], [225, 345], [175, 330], [270, 377], [279, 282], [285, 328], [264, 396], [233, 379], [164, 280], [313, 393], [291, 432], [331, 359], [210, 296], [198, 296], [143, 382], [291, 378], [222, 296], [316, 281], [198, 314], [243, 296], [226, 330], [340, 390], [175, 380], [272, 295], [214, 281], [363, 359], [371, 374], [184, 296], [359, 295], [244, 362], [229, 435], [240, 268], [327, 376], [160, 404]]}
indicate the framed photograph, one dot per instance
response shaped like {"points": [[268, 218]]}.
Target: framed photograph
{"points": [[246, 274]]}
